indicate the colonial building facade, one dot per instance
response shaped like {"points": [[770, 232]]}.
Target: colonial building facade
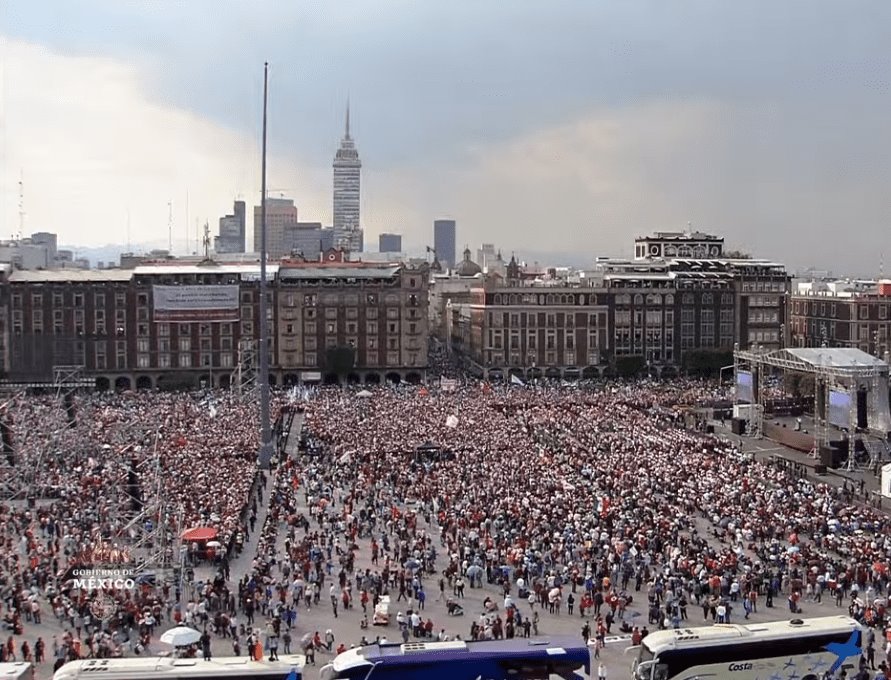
{"points": [[860, 320], [178, 325]]}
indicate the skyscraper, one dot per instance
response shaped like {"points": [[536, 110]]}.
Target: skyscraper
{"points": [[231, 238], [389, 243], [444, 242], [281, 213], [347, 170]]}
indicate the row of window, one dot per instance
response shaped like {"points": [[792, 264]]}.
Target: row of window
{"points": [[372, 358], [544, 319], [810, 307], [656, 299], [350, 328], [496, 358], [497, 340]]}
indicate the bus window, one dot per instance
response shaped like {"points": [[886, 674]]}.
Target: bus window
{"points": [[528, 669]]}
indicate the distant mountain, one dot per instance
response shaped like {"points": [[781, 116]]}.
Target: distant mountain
{"points": [[111, 253]]}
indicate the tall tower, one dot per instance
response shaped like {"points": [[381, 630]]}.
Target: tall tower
{"points": [[347, 170]]}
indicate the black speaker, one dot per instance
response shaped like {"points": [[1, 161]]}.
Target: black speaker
{"points": [[820, 400], [133, 489], [70, 409], [738, 426], [826, 456], [6, 436], [861, 409]]}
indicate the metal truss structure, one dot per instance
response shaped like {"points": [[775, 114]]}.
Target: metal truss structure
{"points": [[844, 378], [245, 376]]}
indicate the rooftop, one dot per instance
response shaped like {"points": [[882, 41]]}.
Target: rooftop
{"points": [[70, 275]]}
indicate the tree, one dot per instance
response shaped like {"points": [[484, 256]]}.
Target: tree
{"points": [[340, 360], [706, 363]]}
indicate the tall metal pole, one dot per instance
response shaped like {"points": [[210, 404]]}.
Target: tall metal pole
{"points": [[266, 433]]}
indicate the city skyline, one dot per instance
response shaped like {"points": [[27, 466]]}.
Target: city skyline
{"points": [[707, 113]]}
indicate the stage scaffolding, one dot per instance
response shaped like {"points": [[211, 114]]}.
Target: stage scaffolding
{"points": [[844, 370]]}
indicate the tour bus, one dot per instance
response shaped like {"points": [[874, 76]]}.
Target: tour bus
{"points": [[521, 658], [806, 648], [288, 667], [16, 671]]}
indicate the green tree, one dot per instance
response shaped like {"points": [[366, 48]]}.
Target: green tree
{"points": [[340, 360]]}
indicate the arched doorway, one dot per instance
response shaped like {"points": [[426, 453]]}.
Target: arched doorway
{"points": [[289, 379], [353, 379], [102, 383], [144, 382], [535, 373], [225, 381], [332, 379], [496, 375], [552, 373], [413, 378], [372, 378], [122, 383], [590, 373], [394, 378]]}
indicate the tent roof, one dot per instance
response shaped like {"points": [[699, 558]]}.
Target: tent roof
{"points": [[199, 534], [835, 357]]}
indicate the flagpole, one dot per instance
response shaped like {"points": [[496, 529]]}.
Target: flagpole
{"points": [[266, 449]]}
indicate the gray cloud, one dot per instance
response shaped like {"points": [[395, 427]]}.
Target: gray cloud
{"points": [[778, 138]]}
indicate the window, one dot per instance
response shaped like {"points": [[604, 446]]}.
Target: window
{"points": [[78, 299], [16, 300], [99, 300], [185, 360], [205, 344], [247, 328], [226, 329], [36, 300], [331, 327], [163, 361], [57, 300], [206, 359], [142, 345], [120, 299], [185, 344], [142, 329], [331, 313], [163, 329], [310, 358], [143, 361], [226, 360], [204, 329], [392, 358], [163, 344], [309, 301]]}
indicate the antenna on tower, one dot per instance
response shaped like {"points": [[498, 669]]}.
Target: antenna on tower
{"points": [[21, 206], [187, 222], [170, 227]]}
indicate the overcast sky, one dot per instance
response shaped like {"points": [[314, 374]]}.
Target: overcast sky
{"points": [[568, 126]]}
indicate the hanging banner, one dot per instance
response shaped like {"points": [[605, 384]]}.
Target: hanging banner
{"points": [[195, 303]]}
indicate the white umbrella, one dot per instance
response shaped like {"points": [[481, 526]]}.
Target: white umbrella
{"points": [[214, 544], [364, 394], [181, 636]]}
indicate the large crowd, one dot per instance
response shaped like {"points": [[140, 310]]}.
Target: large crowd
{"points": [[81, 491], [562, 500]]}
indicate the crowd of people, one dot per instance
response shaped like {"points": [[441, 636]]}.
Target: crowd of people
{"points": [[83, 479], [560, 501]]}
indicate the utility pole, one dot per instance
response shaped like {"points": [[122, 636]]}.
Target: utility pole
{"points": [[265, 431]]}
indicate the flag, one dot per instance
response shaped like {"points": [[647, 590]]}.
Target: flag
{"points": [[515, 380]]}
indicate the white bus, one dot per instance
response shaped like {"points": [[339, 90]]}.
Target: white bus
{"points": [[766, 651], [16, 671], [169, 668]]}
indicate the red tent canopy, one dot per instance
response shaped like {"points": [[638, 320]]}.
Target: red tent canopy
{"points": [[199, 534]]}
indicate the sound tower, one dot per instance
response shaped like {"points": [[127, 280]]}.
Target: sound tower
{"points": [[820, 401], [861, 409]]}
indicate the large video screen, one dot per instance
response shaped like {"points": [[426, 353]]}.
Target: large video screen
{"points": [[839, 408], [745, 387]]}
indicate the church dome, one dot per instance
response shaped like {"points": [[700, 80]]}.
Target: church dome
{"points": [[467, 267]]}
